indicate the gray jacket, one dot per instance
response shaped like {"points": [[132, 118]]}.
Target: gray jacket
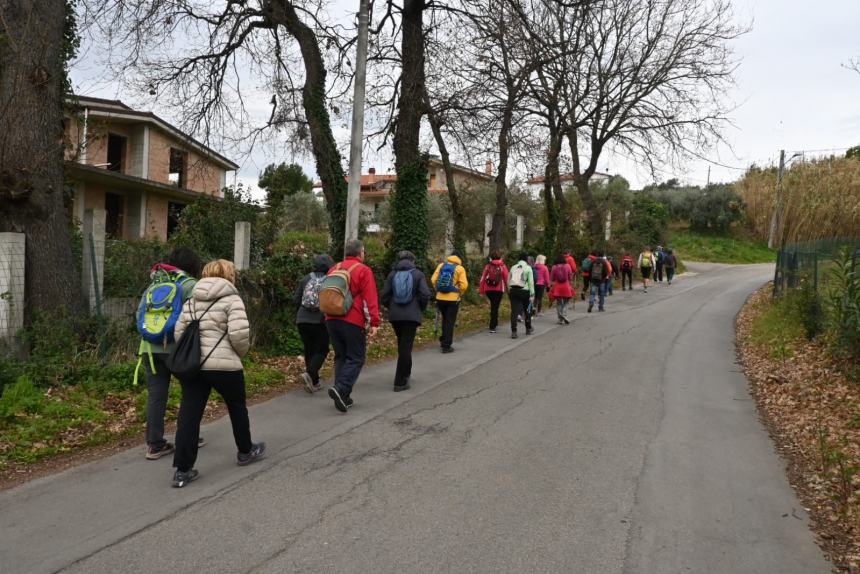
{"points": [[303, 314], [414, 310]]}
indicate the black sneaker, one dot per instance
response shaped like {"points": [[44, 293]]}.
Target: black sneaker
{"points": [[404, 387], [348, 402], [447, 349], [180, 478], [514, 335], [589, 308], [529, 331], [258, 451], [339, 403]]}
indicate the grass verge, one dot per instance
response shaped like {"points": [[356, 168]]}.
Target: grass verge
{"points": [[733, 247], [812, 411]]}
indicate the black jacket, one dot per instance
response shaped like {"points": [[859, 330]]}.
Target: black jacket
{"points": [[414, 310]]}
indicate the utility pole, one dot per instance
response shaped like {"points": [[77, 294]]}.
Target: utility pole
{"points": [[775, 221], [708, 184], [353, 205]]}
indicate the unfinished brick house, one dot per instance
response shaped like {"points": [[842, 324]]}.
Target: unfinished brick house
{"points": [[136, 167]]}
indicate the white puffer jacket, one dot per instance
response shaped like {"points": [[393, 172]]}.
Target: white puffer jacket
{"points": [[227, 314]]}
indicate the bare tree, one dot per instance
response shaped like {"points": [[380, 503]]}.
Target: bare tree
{"points": [[35, 41], [208, 62]]}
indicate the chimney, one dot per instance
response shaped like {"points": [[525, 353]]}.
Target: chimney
{"points": [[488, 169], [372, 171]]}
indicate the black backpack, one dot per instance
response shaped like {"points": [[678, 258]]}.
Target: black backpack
{"points": [[598, 269], [184, 360]]}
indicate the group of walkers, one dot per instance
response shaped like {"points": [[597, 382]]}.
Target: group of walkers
{"points": [[202, 322]]}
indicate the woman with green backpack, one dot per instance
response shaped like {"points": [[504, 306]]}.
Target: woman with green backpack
{"points": [[310, 321], [406, 295]]}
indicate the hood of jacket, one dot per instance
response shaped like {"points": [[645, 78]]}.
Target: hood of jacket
{"points": [[213, 288], [404, 265], [496, 262], [454, 259]]}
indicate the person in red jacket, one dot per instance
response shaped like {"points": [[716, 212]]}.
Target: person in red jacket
{"points": [[561, 288], [542, 281], [493, 284], [349, 333]]}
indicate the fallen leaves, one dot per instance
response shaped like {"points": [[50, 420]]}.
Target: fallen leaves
{"points": [[812, 412]]}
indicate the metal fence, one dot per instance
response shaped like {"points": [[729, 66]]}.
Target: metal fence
{"points": [[810, 261]]}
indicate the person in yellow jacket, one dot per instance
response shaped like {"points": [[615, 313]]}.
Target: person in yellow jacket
{"points": [[450, 282]]}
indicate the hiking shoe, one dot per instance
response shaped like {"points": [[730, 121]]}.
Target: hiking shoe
{"points": [[258, 451], [601, 309], [447, 349], [309, 382], [339, 403], [566, 322], [529, 331], [200, 442], [514, 335], [348, 402], [156, 452], [318, 387], [180, 478], [590, 307], [493, 331], [403, 387]]}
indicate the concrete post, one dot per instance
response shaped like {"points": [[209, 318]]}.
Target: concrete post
{"points": [[449, 236], [521, 227], [12, 251], [488, 225], [92, 283], [608, 232], [242, 245]]}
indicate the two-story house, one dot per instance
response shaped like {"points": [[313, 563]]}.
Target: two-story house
{"points": [[136, 167]]}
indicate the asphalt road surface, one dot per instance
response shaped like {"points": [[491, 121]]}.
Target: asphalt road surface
{"points": [[626, 442]]}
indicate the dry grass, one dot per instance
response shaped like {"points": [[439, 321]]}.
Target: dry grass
{"points": [[822, 199]]}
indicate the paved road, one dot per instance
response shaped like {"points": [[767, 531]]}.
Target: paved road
{"points": [[624, 443]]}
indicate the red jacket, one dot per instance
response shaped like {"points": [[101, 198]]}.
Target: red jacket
{"points": [[572, 263], [483, 287], [542, 277], [362, 285]]}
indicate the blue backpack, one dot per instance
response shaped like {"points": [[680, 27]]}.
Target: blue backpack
{"points": [[404, 286], [160, 307], [445, 281]]}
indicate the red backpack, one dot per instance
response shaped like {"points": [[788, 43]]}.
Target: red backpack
{"points": [[627, 262], [494, 275]]}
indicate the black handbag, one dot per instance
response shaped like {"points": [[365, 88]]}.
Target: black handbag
{"points": [[184, 360]]}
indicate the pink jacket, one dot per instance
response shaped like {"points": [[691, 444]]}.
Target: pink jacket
{"points": [[542, 275]]}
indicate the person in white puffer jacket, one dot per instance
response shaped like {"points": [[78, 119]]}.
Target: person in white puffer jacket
{"points": [[224, 340]]}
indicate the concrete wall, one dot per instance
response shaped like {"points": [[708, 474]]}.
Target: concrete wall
{"points": [[12, 251], [156, 217], [201, 174]]}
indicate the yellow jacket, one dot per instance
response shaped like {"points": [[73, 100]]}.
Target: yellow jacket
{"points": [[460, 280]]}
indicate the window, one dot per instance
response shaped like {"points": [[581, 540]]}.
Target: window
{"points": [[178, 167], [174, 210], [114, 213], [116, 153]]}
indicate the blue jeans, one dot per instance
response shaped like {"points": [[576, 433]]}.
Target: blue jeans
{"points": [[609, 286], [600, 290]]}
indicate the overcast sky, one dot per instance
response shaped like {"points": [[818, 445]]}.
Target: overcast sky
{"points": [[792, 92]]}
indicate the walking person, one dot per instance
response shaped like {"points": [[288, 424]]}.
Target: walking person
{"points": [[561, 289], [493, 284], [224, 339], [659, 261], [406, 295], [585, 268], [542, 282], [613, 274], [646, 264], [627, 271], [175, 278], [601, 270], [310, 321], [450, 282], [348, 291], [669, 263], [521, 292]]}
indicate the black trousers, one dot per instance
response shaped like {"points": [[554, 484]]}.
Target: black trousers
{"points": [[628, 275], [315, 342], [519, 304], [539, 290], [585, 283], [658, 273], [405, 331], [350, 350], [195, 393], [495, 298], [448, 310]]}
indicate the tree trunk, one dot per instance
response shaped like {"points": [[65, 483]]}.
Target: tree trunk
{"points": [[326, 153], [497, 232], [409, 203], [31, 150], [459, 239], [581, 179]]}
